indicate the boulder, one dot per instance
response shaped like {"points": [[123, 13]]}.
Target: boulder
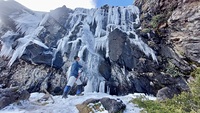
{"points": [[11, 95], [165, 93], [142, 85], [174, 86], [111, 105]]}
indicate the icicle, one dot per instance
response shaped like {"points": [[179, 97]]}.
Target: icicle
{"points": [[102, 87], [68, 72], [22, 43], [101, 43], [108, 90], [143, 47], [6, 40], [89, 86]]}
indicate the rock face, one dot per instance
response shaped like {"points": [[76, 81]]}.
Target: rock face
{"points": [[37, 48], [184, 29], [176, 22], [11, 95], [171, 89], [34, 78]]}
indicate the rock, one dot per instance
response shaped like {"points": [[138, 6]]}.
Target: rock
{"points": [[181, 31], [57, 91], [11, 95], [174, 85], [176, 59], [121, 51], [181, 83], [165, 93], [142, 85], [105, 70], [36, 78], [116, 43], [184, 29], [111, 105], [91, 100], [83, 108]]}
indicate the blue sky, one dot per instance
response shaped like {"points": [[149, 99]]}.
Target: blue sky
{"points": [[47, 5], [100, 3]]}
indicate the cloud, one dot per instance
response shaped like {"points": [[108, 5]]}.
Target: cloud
{"points": [[47, 5]]}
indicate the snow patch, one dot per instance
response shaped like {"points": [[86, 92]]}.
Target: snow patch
{"points": [[68, 105]]}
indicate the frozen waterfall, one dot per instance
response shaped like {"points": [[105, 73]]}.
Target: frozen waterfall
{"points": [[93, 27], [87, 32]]}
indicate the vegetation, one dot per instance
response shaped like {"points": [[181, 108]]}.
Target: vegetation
{"points": [[172, 70], [196, 72], [157, 20], [186, 102], [96, 107], [146, 30]]}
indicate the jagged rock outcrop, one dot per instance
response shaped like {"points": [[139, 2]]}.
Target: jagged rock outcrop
{"points": [[176, 24], [176, 21], [33, 78], [184, 30]]}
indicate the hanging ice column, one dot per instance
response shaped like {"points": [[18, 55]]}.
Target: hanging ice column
{"points": [[102, 86], [28, 24], [22, 43], [88, 42], [143, 47], [89, 30]]}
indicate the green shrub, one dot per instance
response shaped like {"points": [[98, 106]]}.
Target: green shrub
{"points": [[157, 20], [186, 102], [196, 72], [146, 30], [172, 70]]}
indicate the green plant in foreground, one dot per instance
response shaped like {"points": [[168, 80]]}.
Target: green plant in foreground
{"points": [[186, 102]]}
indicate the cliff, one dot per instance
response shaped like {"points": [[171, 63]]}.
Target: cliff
{"points": [[177, 23], [125, 49]]}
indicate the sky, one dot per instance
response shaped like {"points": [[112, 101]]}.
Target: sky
{"points": [[100, 3], [47, 5]]}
